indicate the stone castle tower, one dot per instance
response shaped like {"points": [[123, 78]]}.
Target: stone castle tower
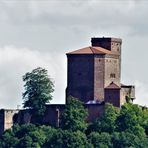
{"points": [[94, 72], [93, 77]]}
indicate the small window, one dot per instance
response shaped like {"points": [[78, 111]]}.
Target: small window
{"points": [[112, 75]]}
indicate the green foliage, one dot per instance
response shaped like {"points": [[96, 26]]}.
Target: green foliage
{"points": [[144, 122], [47, 131], [74, 115], [8, 139], [127, 126], [25, 142], [38, 88], [68, 139], [27, 135], [106, 123], [124, 128], [128, 139], [20, 131], [101, 140], [130, 116]]}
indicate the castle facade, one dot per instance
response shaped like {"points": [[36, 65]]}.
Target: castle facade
{"points": [[94, 73], [93, 76]]}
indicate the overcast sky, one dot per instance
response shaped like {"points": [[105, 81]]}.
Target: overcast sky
{"points": [[39, 32]]}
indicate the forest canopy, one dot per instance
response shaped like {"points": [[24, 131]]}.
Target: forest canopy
{"points": [[125, 127]]}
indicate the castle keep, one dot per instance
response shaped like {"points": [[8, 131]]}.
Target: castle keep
{"points": [[94, 73], [93, 76]]}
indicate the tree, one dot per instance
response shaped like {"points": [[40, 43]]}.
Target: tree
{"points": [[100, 140], [131, 115], [8, 139], [26, 135], [20, 131], [74, 115], [107, 122], [128, 139], [144, 122], [38, 88], [68, 139]]}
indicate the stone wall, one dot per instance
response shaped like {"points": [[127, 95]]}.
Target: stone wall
{"points": [[113, 96], [2, 121], [127, 91], [51, 117], [7, 119], [112, 63], [94, 111], [80, 81], [113, 44], [112, 70], [52, 114], [99, 72]]}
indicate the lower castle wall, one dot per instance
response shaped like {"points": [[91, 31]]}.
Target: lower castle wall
{"points": [[53, 112], [51, 117], [6, 119], [1, 121], [113, 96], [127, 91], [94, 111]]}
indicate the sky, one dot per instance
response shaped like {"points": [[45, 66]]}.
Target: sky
{"points": [[38, 33]]}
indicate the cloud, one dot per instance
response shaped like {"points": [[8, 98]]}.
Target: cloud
{"points": [[84, 15], [141, 93], [15, 62], [49, 28]]}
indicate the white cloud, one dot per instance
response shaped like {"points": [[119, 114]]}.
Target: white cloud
{"points": [[50, 28], [15, 62], [141, 93]]}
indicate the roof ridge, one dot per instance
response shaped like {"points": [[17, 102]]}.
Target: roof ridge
{"points": [[113, 85], [95, 50], [91, 48]]}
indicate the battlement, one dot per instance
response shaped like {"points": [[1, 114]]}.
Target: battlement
{"points": [[113, 44]]}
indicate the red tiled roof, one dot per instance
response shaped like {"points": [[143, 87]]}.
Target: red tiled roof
{"points": [[112, 85], [91, 50]]}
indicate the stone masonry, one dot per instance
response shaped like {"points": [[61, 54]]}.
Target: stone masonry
{"points": [[92, 69]]}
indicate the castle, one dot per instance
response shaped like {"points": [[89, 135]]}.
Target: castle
{"points": [[94, 74]]}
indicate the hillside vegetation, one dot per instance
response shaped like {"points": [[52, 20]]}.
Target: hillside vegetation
{"points": [[116, 128]]}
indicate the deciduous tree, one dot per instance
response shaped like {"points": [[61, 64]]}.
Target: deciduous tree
{"points": [[38, 88], [107, 122], [74, 115]]}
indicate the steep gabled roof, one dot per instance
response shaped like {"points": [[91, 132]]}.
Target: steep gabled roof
{"points": [[91, 50], [112, 85]]}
